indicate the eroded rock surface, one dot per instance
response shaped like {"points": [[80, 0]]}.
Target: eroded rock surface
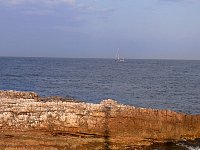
{"points": [[16, 94], [112, 124]]}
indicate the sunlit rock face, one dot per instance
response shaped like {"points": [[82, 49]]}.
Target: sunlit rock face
{"points": [[16, 94], [24, 111]]}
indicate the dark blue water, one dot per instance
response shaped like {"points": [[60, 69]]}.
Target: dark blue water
{"points": [[162, 84]]}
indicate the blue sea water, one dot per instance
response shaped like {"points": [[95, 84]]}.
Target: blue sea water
{"points": [[161, 84]]}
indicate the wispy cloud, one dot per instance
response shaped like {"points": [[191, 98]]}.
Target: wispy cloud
{"points": [[86, 7], [178, 0], [171, 0], [68, 13], [36, 12], [38, 7], [91, 9], [46, 2]]}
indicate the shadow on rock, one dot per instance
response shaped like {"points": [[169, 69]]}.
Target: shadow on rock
{"points": [[106, 128]]}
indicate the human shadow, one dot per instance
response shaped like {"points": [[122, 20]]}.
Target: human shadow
{"points": [[107, 110]]}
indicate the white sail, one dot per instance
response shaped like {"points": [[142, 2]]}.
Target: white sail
{"points": [[118, 59]]}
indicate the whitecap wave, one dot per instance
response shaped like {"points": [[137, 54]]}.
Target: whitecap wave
{"points": [[190, 147]]}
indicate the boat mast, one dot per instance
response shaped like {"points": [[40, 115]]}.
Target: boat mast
{"points": [[118, 54]]}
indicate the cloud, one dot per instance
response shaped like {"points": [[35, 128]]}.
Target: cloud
{"points": [[178, 0], [88, 7], [36, 12], [93, 9], [171, 0], [46, 2], [70, 12]]}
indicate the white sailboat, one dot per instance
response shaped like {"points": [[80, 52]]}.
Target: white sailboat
{"points": [[118, 59]]}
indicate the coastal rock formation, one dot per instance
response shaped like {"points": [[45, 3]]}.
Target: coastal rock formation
{"points": [[109, 123], [15, 94]]}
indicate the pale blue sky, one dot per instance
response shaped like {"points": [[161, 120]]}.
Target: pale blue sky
{"points": [[168, 29]]}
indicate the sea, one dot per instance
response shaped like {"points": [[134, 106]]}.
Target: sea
{"points": [[158, 84]]}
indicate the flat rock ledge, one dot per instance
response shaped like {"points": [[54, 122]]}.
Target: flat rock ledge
{"points": [[30, 122]]}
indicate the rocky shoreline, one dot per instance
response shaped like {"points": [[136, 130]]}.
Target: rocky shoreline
{"points": [[28, 121]]}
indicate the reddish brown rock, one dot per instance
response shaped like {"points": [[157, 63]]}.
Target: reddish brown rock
{"points": [[108, 124]]}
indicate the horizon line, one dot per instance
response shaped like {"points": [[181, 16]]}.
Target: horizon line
{"points": [[99, 58]]}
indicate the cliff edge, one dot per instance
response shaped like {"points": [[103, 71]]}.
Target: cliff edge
{"points": [[33, 122]]}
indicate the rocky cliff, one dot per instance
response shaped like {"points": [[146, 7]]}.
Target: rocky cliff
{"points": [[112, 125]]}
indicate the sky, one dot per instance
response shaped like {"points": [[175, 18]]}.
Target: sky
{"points": [[141, 29]]}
